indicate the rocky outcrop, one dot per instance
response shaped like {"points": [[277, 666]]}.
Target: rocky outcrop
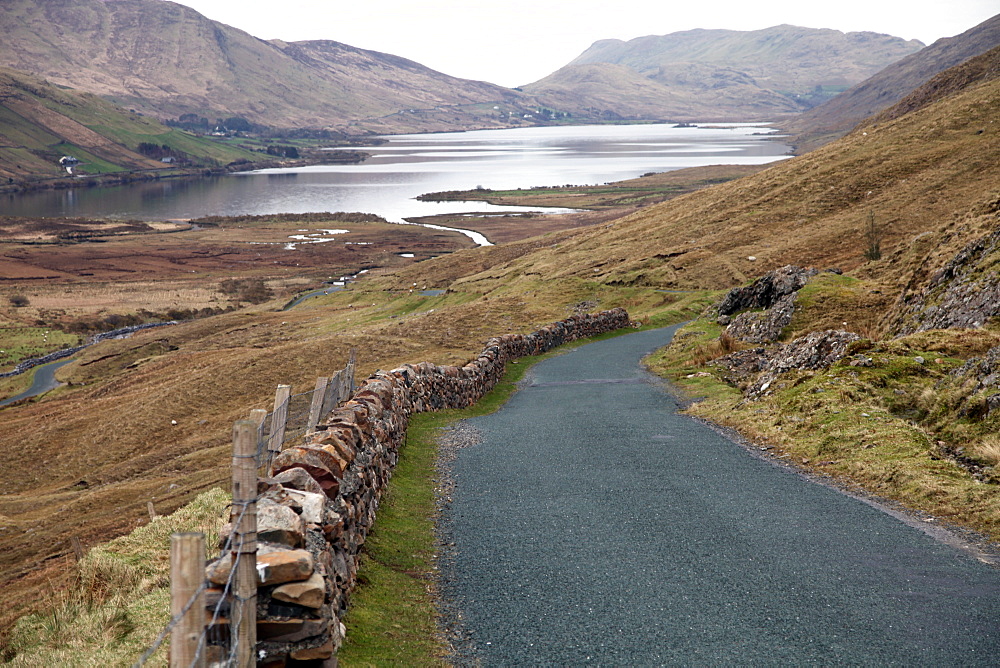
{"points": [[964, 294], [766, 290], [980, 379], [318, 506], [754, 371], [763, 326], [775, 292]]}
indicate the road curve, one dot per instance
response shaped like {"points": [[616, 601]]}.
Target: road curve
{"points": [[592, 524]]}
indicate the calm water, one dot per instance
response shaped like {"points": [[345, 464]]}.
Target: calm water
{"points": [[410, 165]]}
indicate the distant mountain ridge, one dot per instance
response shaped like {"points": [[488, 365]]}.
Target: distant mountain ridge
{"points": [[889, 86], [166, 59], [735, 75]]}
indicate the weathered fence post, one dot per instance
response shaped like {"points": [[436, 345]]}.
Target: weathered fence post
{"points": [[151, 510], [352, 362], [279, 419], [187, 573], [332, 395], [316, 409], [243, 623], [78, 552]]}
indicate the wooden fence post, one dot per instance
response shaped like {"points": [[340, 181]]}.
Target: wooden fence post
{"points": [[187, 573], [77, 548], [316, 408], [258, 416], [151, 510], [279, 419], [352, 362], [332, 395], [243, 623]]}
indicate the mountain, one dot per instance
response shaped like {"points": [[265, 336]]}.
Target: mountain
{"points": [[837, 116], [40, 123], [914, 170], [734, 74], [166, 60], [688, 91]]}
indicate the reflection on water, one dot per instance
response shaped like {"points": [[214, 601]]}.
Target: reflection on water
{"points": [[410, 165]]}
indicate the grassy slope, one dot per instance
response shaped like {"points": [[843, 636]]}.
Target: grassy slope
{"points": [[632, 193], [41, 123]]}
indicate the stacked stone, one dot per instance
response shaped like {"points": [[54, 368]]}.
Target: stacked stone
{"points": [[316, 510]]}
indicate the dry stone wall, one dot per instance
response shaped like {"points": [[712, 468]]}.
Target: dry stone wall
{"points": [[316, 509]]}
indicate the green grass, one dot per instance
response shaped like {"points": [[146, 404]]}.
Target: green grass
{"points": [[20, 343]]}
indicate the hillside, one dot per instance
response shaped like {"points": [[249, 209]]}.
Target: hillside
{"points": [[688, 92], [913, 173], [166, 60], [724, 73], [40, 123], [837, 116]]}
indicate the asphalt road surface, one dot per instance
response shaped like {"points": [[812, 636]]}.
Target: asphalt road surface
{"points": [[594, 525]]}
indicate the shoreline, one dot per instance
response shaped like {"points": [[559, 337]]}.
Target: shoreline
{"points": [[128, 177]]}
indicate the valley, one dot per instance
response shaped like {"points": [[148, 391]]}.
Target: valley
{"points": [[841, 307]]}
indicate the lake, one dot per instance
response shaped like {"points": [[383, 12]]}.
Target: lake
{"points": [[410, 165]]}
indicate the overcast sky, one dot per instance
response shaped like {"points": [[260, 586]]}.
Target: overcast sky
{"points": [[514, 42]]}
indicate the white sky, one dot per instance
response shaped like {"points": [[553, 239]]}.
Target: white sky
{"points": [[515, 42]]}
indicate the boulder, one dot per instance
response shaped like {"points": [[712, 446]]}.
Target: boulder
{"points": [[766, 290]]}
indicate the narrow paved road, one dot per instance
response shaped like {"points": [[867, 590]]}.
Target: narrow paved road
{"points": [[594, 525]]}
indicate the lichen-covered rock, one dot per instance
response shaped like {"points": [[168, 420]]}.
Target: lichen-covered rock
{"points": [[763, 326], [766, 290], [816, 351], [964, 294]]}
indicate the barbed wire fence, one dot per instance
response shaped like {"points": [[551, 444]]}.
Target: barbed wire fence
{"points": [[228, 637]]}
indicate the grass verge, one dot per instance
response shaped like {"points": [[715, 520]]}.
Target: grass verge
{"points": [[120, 599], [897, 425]]}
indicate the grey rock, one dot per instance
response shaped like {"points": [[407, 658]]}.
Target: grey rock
{"points": [[755, 370], [765, 326], [766, 290], [279, 524], [964, 294]]}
